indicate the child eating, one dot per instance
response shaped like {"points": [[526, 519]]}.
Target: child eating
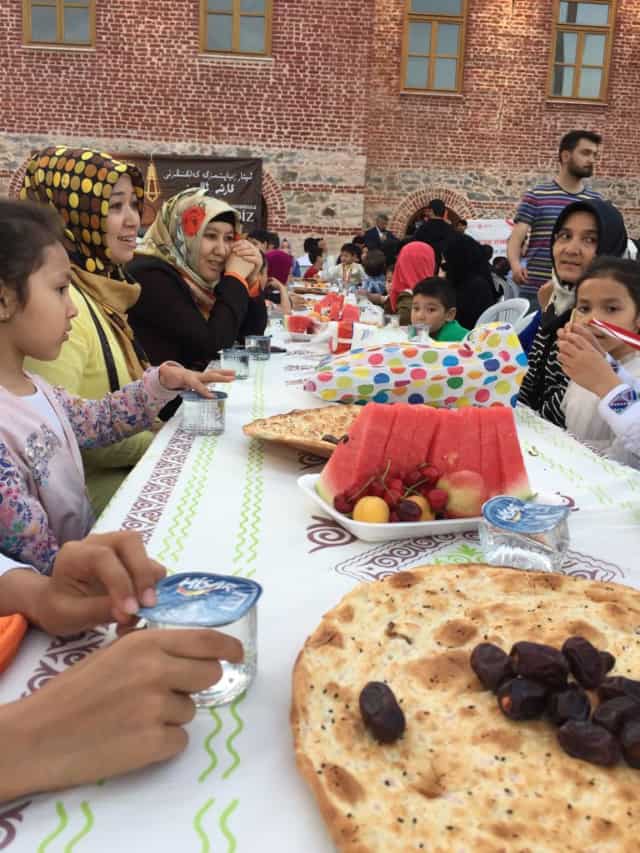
{"points": [[600, 366], [434, 305], [43, 500]]}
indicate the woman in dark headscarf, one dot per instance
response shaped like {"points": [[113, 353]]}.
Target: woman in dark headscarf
{"points": [[467, 267], [583, 230]]}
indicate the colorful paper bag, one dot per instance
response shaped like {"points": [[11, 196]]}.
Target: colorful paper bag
{"points": [[486, 369]]}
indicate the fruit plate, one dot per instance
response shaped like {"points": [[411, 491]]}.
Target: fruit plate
{"points": [[385, 532]]}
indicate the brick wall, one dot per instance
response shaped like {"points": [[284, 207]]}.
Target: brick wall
{"points": [[325, 112]]}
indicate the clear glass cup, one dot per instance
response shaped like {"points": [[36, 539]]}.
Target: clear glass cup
{"points": [[258, 347], [418, 333], [524, 535], [236, 359], [236, 677], [202, 415]]}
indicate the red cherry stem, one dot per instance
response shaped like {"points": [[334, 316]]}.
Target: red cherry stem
{"points": [[362, 489], [383, 479], [412, 489]]}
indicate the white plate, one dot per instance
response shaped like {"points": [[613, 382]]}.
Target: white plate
{"points": [[385, 532]]}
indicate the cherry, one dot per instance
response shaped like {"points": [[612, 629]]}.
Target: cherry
{"points": [[413, 477], [438, 499], [377, 489], [408, 511], [431, 474], [342, 503], [396, 485], [394, 517], [392, 497]]}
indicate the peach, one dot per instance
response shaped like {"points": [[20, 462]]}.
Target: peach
{"points": [[467, 492]]}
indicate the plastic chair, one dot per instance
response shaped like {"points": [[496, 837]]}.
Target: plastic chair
{"points": [[510, 290], [508, 311], [522, 324]]}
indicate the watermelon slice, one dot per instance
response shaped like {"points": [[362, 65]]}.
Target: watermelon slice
{"points": [[478, 440], [514, 473], [490, 455], [403, 449], [362, 456]]}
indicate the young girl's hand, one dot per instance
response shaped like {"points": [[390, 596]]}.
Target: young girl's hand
{"points": [[177, 378], [585, 364], [583, 332]]}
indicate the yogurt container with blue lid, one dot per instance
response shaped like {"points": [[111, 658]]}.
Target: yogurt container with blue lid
{"points": [[224, 602], [524, 534], [202, 599]]}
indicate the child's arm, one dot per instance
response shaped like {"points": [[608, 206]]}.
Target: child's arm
{"points": [[25, 535], [97, 423], [620, 409]]}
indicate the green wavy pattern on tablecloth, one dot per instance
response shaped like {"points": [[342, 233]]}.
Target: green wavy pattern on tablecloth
{"points": [[174, 540], [86, 829], [248, 537], [245, 555], [213, 763], [226, 814], [63, 821], [197, 825], [234, 734]]}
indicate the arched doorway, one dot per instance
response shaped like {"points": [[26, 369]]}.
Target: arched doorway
{"points": [[412, 207]]}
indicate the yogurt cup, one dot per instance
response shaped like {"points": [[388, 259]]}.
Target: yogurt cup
{"points": [[222, 602]]}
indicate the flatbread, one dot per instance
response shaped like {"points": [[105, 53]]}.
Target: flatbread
{"points": [[463, 778], [304, 429]]}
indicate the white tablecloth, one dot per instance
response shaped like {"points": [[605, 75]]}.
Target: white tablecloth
{"points": [[231, 506]]}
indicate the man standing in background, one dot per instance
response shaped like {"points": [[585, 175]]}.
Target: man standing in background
{"points": [[541, 206]]}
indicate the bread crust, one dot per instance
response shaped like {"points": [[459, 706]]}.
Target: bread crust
{"points": [[304, 429], [463, 777]]}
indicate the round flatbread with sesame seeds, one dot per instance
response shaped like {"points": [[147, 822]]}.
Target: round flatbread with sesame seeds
{"points": [[309, 430], [463, 778]]}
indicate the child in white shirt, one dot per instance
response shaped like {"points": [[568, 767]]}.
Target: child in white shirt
{"points": [[600, 391]]}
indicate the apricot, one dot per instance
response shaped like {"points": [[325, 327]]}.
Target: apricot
{"points": [[371, 510]]}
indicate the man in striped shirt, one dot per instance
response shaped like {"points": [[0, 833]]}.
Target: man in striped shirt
{"points": [[541, 206]]}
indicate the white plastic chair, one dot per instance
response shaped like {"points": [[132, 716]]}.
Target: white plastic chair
{"points": [[521, 325], [510, 290], [507, 311]]}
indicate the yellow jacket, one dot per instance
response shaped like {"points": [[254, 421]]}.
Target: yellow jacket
{"points": [[80, 369]]}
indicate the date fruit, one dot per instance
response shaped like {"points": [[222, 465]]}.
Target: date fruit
{"points": [[608, 661], [614, 713], [585, 662], [381, 713], [492, 665], [630, 740], [540, 663], [589, 742], [570, 704], [521, 699], [618, 685]]}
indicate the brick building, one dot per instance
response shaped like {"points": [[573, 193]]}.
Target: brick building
{"points": [[352, 105]]}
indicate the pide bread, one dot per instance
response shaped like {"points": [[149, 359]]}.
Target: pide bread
{"points": [[463, 778], [305, 429]]}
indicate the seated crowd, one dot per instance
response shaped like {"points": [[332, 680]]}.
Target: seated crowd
{"points": [[98, 335]]}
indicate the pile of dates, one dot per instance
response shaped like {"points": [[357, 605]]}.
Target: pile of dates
{"points": [[534, 681]]}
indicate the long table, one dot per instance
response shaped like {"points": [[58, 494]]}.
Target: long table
{"points": [[229, 505]]}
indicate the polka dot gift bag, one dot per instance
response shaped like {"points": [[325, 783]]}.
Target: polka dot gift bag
{"points": [[485, 369]]}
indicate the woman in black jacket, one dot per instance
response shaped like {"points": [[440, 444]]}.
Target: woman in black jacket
{"points": [[199, 290], [583, 230], [467, 267]]}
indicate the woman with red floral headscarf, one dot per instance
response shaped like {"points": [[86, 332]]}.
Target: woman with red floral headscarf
{"points": [[199, 284]]}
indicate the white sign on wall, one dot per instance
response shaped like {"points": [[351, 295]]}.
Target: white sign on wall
{"points": [[495, 232]]}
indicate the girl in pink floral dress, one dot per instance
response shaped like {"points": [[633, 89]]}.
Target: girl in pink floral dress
{"points": [[43, 500]]}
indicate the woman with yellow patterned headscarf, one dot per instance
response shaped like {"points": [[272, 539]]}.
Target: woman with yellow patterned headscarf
{"points": [[100, 202], [199, 282]]}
